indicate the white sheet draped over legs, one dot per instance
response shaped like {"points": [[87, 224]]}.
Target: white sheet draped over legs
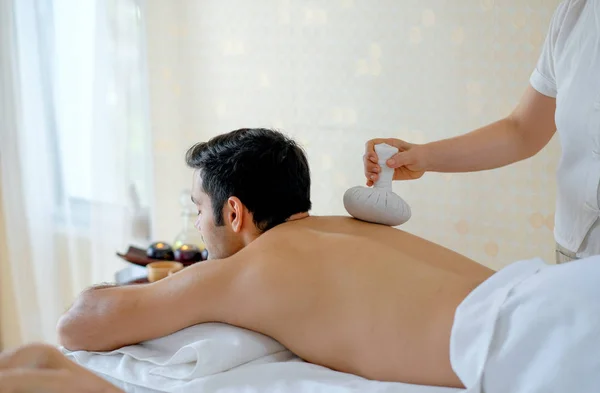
{"points": [[531, 328]]}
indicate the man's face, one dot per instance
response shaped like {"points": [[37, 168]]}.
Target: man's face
{"points": [[221, 241]]}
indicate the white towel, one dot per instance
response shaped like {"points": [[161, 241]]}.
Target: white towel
{"points": [[191, 353], [531, 328], [221, 358]]}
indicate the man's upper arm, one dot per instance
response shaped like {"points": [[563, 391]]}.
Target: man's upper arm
{"points": [[111, 318], [194, 295]]}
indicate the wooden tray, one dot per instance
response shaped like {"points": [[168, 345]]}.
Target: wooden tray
{"points": [[138, 256], [132, 274], [138, 281]]}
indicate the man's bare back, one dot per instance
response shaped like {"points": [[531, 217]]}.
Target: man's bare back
{"points": [[356, 297]]}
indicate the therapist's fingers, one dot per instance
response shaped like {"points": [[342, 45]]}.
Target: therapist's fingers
{"points": [[371, 170], [371, 166], [370, 154], [397, 143], [399, 159], [370, 149], [370, 159]]}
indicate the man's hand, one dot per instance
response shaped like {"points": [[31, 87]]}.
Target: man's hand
{"points": [[42, 368], [406, 162]]}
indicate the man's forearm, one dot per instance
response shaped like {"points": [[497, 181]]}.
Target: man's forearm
{"points": [[493, 146], [109, 318]]}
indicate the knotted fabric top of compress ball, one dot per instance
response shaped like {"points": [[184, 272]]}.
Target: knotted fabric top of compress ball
{"points": [[378, 204]]}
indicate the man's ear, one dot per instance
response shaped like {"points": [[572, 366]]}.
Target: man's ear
{"points": [[234, 214]]}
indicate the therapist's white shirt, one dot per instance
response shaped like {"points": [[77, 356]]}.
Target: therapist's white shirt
{"points": [[569, 69]]}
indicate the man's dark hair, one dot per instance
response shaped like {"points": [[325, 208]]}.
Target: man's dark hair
{"points": [[266, 170]]}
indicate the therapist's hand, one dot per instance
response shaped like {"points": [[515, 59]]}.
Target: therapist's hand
{"points": [[407, 163], [43, 368]]}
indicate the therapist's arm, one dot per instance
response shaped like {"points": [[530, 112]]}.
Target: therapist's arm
{"points": [[514, 138], [520, 135], [107, 318]]}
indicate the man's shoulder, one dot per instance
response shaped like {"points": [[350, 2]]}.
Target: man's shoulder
{"points": [[327, 225], [307, 226], [318, 223]]}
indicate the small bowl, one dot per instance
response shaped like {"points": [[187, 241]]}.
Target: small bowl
{"points": [[159, 270]]}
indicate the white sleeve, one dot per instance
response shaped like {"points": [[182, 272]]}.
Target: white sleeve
{"points": [[543, 78]]}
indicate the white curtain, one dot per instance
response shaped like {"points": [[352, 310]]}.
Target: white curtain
{"points": [[75, 157]]}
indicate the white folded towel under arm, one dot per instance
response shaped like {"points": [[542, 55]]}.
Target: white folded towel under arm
{"points": [[216, 357]]}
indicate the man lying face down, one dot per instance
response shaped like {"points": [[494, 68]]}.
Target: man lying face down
{"points": [[356, 297]]}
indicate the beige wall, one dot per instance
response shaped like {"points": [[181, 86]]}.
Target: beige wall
{"points": [[335, 73]]}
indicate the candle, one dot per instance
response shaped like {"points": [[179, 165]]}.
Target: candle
{"points": [[188, 253], [160, 250]]}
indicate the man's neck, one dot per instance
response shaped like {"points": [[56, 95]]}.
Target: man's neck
{"points": [[297, 216]]}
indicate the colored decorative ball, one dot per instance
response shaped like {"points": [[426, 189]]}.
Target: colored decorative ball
{"points": [[188, 253], [160, 250]]}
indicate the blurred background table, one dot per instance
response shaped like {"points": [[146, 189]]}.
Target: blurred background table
{"points": [[132, 274]]}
